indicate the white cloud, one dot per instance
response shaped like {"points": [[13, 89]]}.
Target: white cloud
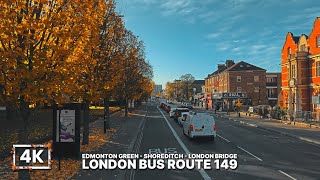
{"points": [[236, 49], [213, 35]]}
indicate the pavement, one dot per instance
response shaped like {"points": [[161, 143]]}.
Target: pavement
{"points": [[305, 133], [262, 154], [122, 142]]}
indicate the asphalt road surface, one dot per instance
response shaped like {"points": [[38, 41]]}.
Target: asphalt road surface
{"points": [[261, 154]]}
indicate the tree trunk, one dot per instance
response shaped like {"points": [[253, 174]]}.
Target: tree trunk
{"points": [[85, 138], [24, 114], [126, 108], [106, 114]]}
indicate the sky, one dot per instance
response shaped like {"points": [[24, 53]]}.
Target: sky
{"points": [[193, 36]]}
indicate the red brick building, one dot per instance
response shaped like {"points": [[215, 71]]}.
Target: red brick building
{"points": [[301, 71], [238, 77]]}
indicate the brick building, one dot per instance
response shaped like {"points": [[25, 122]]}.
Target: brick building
{"points": [[273, 85], [237, 77], [301, 72]]}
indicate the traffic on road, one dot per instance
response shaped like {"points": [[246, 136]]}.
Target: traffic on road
{"points": [[260, 154]]}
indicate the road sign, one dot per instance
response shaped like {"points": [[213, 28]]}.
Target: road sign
{"points": [[231, 95], [238, 104]]}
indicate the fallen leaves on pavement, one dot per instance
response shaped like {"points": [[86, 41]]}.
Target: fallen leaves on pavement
{"points": [[68, 167]]}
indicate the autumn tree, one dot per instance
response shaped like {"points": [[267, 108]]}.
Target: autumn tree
{"points": [[170, 90], [186, 85], [136, 70], [36, 39]]}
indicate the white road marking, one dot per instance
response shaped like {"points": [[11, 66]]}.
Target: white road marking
{"points": [[249, 153], [136, 150], [186, 150], [287, 175], [253, 125], [223, 138]]}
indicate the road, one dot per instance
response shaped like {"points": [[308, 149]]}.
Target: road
{"points": [[261, 154]]}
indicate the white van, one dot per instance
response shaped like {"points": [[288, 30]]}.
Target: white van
{"points": [[199, 125]]}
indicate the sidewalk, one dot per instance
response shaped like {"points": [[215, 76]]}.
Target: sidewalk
{"points": [[297, 131], [121, 142], [119, 139]]}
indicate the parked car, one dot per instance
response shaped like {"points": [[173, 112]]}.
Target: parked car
{"points": [[263, 110], [178, 113], [168, 108], [251, 110], [172, 111], [189, 105], [199, 125], [182, 117]]}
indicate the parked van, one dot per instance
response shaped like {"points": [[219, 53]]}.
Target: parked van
{"points": [[199, 125]]}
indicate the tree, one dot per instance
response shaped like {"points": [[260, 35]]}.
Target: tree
{"points": [[36, 39], [136, 70], [170, 90], [186, 82]]}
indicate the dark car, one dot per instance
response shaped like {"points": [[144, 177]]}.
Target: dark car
{"points": [[162, 105], [168, 108], [178, 112]]}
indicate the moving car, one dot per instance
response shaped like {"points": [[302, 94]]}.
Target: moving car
{"points": [[178, 113], [199, 125]]}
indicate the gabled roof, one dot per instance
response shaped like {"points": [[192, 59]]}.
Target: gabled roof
{"points": [[244, 66]]}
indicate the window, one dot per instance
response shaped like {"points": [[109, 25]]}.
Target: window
{"points": [[293, 71], [256, 89], [289, 50], [318, 41], [303, 47], [256, 78], [239, 89], [238, 78], [269, 80], [318, 68]]}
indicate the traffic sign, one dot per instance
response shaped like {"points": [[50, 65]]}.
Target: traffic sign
{"points": [[238, 104], [231, 95]]}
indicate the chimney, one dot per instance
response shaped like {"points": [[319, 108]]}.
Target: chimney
{"points": [[229, 63], [221, 67]]}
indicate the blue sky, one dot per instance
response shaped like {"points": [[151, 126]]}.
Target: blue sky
{"points": [[193, 36]]}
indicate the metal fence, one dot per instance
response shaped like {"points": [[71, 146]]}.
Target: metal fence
{"points": [[306, 116]]}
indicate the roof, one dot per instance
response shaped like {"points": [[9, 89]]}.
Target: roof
{"points": [[296, 39], [244, 66], [200, 82]]}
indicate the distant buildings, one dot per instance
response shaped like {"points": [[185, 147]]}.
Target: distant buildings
{"points": [[301, 72], [197, 90], [157, 89]]}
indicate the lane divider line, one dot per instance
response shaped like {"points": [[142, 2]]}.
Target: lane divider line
{"points": [[186, 150], [249, 153], [223, 138], [287, 175], [138, 143]]}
